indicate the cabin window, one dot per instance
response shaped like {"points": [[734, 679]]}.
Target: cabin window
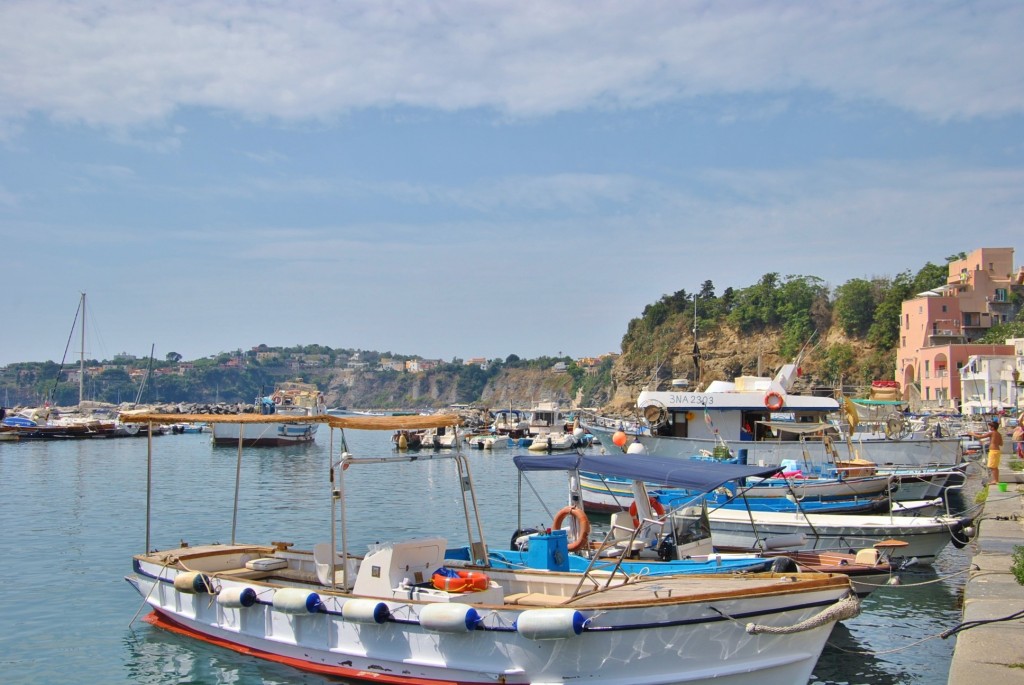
{"points": [[675, 426]]}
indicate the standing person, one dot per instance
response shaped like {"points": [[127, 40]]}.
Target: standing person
{"points": [[1018, 440], [995, 449]]}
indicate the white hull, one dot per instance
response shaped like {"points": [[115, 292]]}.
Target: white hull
{"points": [[550, 442], [925, 537], [696, 642], [926, 452]]}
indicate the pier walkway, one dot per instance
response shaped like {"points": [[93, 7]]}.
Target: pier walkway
{"points": [[992, 652]]}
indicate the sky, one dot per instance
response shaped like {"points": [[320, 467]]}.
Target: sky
{"points": [[478, 179]]}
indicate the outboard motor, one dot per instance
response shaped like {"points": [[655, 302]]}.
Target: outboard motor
{"points": [[519, 538]]}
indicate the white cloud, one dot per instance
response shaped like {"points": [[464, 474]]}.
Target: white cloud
{"points": [[129, 63]]}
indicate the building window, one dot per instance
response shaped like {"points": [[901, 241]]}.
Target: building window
{"points": [[943, 308]]}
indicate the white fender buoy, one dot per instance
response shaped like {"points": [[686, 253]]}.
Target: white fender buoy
{"points": [[193, 583], [365, 611], [236, 597], [636, 448], [449, 617], [293, 600], [550, 624]]}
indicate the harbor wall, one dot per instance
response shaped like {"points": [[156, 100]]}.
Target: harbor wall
{"points": [[991, 651]]}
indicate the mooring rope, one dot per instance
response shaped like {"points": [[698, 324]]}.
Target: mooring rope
{"points": [[847, 607]]}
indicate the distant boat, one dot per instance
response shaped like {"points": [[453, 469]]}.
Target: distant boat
{"points": [[292, 399]]}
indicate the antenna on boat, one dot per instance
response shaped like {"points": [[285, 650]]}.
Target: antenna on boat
{"points": [[696, 348]]}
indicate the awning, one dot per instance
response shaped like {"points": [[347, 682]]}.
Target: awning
{"points": [[702, 476]]}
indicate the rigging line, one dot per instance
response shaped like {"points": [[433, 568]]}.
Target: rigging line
{"points": [[67, 347]]}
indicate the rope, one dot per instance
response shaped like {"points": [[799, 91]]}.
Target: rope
{"points": [[967, 625], [847, 607]]}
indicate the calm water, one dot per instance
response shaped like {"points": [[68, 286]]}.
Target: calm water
{"points": [[73, 514]]}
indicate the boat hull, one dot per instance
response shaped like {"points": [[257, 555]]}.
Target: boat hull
{"points": [[925, 538], [264, 434]]}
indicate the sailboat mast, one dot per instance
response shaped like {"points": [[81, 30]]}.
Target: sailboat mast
{"points": [[81, 359]]}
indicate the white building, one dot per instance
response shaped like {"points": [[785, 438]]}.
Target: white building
{"points": [[988, 383]]}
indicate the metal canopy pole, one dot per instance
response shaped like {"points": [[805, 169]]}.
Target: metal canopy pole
{"points": [[149, 481], [238, 479]]}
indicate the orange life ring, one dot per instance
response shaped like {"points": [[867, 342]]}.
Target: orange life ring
{"points": [[462, 581], [655, 506], [582, 523], [773, 401]]}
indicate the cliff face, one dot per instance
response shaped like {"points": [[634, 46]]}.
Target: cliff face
{"points": [[522, 388], [519, 388], [724, 355]]}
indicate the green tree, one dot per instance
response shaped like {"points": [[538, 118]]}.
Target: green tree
{"points": [[1001, 332], [931, 276], [173, 357], [885, 328], [840, 363], [855, 304]]}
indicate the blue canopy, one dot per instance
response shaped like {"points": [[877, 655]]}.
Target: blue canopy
{"points": [[680, 473]]}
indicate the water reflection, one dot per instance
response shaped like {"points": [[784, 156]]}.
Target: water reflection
{"points": [[78, 509], [157, 657]]}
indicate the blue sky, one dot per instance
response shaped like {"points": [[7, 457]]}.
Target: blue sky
{"points": [[463, 179]]}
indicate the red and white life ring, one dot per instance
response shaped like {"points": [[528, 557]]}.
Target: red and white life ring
{"points": [[582, 524], [773, 401], [655, 507], [277, 399], [462, 581]]}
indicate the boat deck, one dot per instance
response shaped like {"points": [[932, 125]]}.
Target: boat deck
{"points": [[519, 587]]}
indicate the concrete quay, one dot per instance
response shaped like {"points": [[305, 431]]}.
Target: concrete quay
{"points": [[993, 653]]}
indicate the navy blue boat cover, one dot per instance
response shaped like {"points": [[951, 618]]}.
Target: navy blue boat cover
{"points": [[703, 476]]}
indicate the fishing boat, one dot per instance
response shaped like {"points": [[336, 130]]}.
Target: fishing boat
{"points": [[607, 494], [742, 419], [926, 536], [293, 399], [399, 613], [651, 540]]}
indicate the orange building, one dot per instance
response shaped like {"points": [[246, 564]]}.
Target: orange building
{"points": [[938, 328]]}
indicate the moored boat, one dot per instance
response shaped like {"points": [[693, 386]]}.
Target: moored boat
{"points": [[746, 418], [400, 614], [290, 399]]}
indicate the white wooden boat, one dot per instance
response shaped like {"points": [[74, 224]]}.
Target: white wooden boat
{"points": [[383, 616], [290, 399], [926, 536]]}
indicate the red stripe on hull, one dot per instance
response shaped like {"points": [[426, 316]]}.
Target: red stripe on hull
{"points": [[167, 623]]}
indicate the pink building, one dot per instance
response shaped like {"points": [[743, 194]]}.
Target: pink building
{"points": [[938, 328]]}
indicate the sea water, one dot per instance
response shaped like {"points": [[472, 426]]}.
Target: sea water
{"points": [[74, 512]]}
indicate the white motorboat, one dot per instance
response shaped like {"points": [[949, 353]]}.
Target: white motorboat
{"points": [[400, 614], [552, 442], [293, 399]]}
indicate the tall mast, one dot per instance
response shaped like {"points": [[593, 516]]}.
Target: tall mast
{"points": [[81, 359]]}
